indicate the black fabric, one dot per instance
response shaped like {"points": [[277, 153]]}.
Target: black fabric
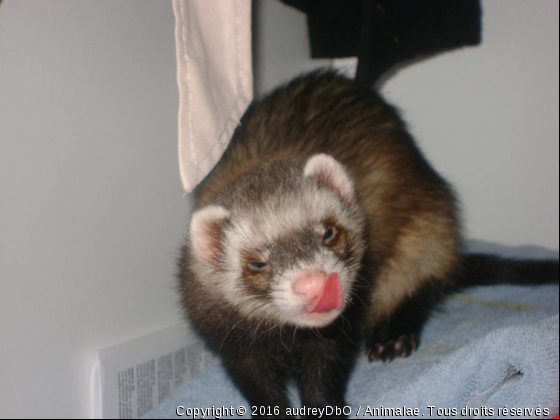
{"points": [[385, 34]]}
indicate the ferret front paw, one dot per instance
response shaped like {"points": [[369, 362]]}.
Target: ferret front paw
{"points": [[387, 351]]}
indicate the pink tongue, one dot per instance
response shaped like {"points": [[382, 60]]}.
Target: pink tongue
{"points": [[330, 298]]}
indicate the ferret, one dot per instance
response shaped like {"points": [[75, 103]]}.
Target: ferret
{"points": [[321, 229]]}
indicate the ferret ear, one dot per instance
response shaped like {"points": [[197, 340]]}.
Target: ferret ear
{"points": [[327, 170], [206, 233]]}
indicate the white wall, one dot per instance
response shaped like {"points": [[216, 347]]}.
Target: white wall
{"points": [[486, 117], [91, 206]]}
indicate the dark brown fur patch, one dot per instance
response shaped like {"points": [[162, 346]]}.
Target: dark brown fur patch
{"points": [[293, 247], [255, 282], [339, 242]]}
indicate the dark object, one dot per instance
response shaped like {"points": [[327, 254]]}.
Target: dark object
{"points": [[387, 34]]}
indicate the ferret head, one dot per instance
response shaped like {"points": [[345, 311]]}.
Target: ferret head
{"points": [[283, 242]]}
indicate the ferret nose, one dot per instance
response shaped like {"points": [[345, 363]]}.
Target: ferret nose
{"points": [[310, 285]]}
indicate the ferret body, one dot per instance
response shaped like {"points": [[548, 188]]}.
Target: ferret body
{"points": [[322, 227]]}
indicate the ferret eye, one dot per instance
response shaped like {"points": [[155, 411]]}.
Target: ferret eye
{"points": [[258, 266], [329, 235]]}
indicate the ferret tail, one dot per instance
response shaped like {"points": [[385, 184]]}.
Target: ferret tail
{"points": [[483, 269]]}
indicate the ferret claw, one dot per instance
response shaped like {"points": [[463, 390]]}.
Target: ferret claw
{"points": [[404, 346]]}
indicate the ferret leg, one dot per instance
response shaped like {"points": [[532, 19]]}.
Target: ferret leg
{"points": [[399, 334], [324, 369], [262, 381]]}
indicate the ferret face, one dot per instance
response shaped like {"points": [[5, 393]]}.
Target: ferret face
{"points": [[292, 257]]}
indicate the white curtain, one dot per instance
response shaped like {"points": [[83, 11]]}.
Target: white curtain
{"points": [[214, 73]]}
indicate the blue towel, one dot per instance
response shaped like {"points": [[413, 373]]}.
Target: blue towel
{"points": [[490, 348]]}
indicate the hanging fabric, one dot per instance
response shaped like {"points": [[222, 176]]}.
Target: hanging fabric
{"points": [[214, 73]]}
